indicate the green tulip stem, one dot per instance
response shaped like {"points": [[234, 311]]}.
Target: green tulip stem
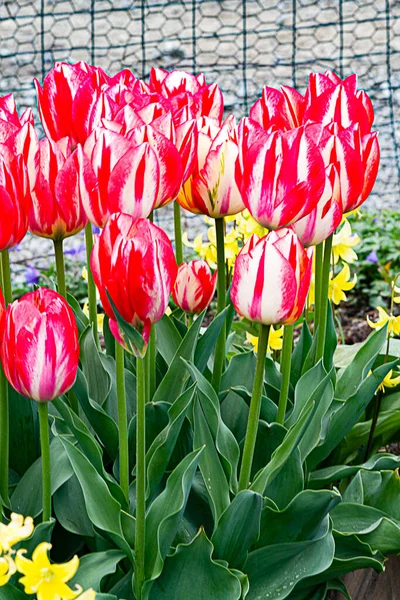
{"points": [[122, 421], [140, 476], [255, 407], [319, 253], [60, 267], [92, 298], [4, 408], [178, 233], [43, 410], [219, 359], [152, 364], [326, 268], [286, 358]]}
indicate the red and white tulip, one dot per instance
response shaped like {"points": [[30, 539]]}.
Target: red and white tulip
{"points": [[133, 261], [40, 349], [15, 199], [62, 180], [194, 286], [271, 278]]}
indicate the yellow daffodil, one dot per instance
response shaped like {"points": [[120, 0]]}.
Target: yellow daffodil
{"points": [[383, 318], [7, 569], [100, 317], [389, 382], [47, 581], [341, 284], [274, 341], [17, 529], [343, 244]]}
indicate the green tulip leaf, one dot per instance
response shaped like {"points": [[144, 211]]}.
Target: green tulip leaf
{"points": [[379, 462], [192, 573], [93, 567], [206, 343]]}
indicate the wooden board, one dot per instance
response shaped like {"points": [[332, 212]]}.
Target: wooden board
{"points": [[366, 584]]}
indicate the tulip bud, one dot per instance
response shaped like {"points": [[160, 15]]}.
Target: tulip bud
{"points": [[271, 278], [40, 349], [212, 190], [280, 109], [323, 220], [282, 174], [10, 121], [15, 200], [61, 182], [133, 264], [194, 286]]}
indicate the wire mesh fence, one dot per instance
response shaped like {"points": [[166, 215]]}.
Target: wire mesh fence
{"points": [[241, 44]]}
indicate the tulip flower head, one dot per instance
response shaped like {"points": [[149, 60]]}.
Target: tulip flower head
{"points": [[271, 278], [10, 121], [15, 200], [281, 175], [40, 349], [62, 181], [194, 286], [212, 190], [134, 265]]}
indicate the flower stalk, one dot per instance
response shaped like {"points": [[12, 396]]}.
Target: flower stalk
{"points": [[286, 357], [122, 421], [326, 267], [140, 475], [178, 233], [221, 303], [4, 405], [91, 285], [43, 411], [60, 267], [255, 407]]}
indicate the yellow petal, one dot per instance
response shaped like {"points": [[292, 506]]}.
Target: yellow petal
{"points": [[65, 571], [17, 529], [40, 556], [56, 590], [88, 595]]}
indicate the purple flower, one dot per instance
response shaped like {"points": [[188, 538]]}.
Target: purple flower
{"points": [[75, 251], [32, 276], [373, 257], [95, 229]]}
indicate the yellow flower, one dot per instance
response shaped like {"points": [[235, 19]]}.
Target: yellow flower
{"points": [[18, 529], [396, 290], [7, 569], [341, 284], [246, 226], [343, 243], [100, 317], [85, 273], [389, 381], [356, 213], [274, 341], [383, 318], [47, 581]]}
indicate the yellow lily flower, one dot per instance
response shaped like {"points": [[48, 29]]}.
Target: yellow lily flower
{"points": [[343, 244], [383, 318], [47, 581], [7, 569], [100, 317], [389, 381], [274, 342], [396, 299], [18, 529], [246, 226], [341, 284]]}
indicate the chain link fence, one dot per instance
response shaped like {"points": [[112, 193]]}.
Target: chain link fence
{"points": [[240, 44]]}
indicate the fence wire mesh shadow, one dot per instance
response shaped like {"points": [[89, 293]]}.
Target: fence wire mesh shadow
{"points": [[240, 44]]}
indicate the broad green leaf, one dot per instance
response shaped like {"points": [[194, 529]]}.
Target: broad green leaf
{"points": [[160, 452], [98, 380], [168, 338], [156, 421], [342, 420], [206, 343], [111, 403], [218, 463], [173, 382], [103, 510], [70, 509], [300, 521], [308, 383], [9, 592], [24, 432], [27, 496], [104, 426], [133, 339], [275, 570], [238, 529], [300, 352], [93, 567], [283, 452], [352, 377], [164, 515], [82, 320], [42, 533], [192, 573], [240, 372], [379, 462], [379, 489]]}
